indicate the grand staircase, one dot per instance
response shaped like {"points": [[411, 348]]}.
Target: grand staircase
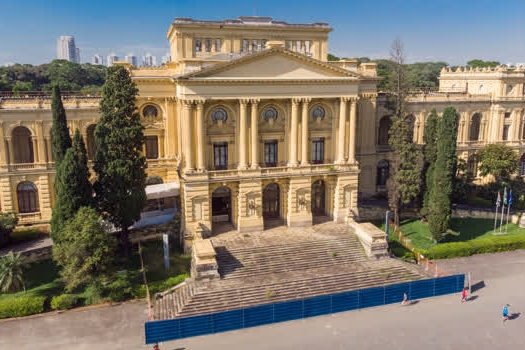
{"points": [[274, 273]]}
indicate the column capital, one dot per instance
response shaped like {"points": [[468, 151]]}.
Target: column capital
{"points": [[255, 101], [244, 101], [187, 103], [200, 102], [306, 100], [344, 98], [296, 100], [353, 100]]}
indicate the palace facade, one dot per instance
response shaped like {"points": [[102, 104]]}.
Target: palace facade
{"points": [[252, 125]]}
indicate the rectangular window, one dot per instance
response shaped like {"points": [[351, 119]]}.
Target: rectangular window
{"points": [[270, 153], [220, 155], [217, 45], [507, 115], [255, 45], [318, 150], [152, 147], [245, 45], [207, 45], [505, 136], [198, 45]]}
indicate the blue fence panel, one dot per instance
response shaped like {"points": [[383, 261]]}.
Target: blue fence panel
{"points": [[394, 293], [195, 325], [317, 306], [421, 289], [289, 310], [258, 315], [371, 297], [445, 285], [345, 301], [227, 321], [162, 330]]}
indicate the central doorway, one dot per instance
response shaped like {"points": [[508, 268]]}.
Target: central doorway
{"points": [[318, 198], [221, 201], [271, 201]]}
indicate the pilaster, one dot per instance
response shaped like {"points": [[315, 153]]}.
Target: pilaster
{"points": [[341, 132], [45, 197], [188, 144], [299, 202], [352, 137], [3, 146], [7, 194], [293, 132], [345, 197], [250, 206], [305, 132], [201, 136], [242, 133], [255, 135]]}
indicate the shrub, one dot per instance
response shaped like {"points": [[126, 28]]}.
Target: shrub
{"points": [[21, 306], [65, 301], [475, 246], [139, 291]]}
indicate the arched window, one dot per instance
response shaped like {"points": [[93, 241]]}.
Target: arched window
{"points": [[91, 146], [522, 165], [384, 126], [383, 170], [270, 113], [23, 145], [219, 114], [475, 124], [27, 195]]}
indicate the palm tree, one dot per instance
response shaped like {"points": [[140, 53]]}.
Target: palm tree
{"points": [[11, 272]]}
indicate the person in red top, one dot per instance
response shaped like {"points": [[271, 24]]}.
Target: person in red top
{"points": [[464, 295], [156, 346]]}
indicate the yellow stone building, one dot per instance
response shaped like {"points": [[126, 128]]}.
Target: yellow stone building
{"points": [[252, 125]]}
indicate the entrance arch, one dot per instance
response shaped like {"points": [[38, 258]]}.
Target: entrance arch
{"points": [[271, 201], [318, 198], [221, 205]]}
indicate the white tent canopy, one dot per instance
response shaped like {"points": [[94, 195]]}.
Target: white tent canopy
{"points": [[170, 189]]}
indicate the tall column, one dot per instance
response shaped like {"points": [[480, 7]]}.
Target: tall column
{"points": [[200, 136], [342, 128], [162, 151], [305, 133], [353, 122], [50, 149], [36, 158], [188, 145], [466, 127], [255, 135], [9, 140], [3, 149], [39, 126], [293, 132], [242, 134]]}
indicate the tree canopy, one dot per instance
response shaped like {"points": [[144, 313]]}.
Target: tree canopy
{"points": [[497, 160], [477, 63]]}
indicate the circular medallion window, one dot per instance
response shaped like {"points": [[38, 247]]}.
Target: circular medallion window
{"points": [[150, 112], [219, 114], [318, 112], [270, 113]]}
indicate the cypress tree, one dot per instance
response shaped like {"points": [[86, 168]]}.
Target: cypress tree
{"points": [[119, 164], [72, 187], [61, 141], [430, 154], [443, 174]]}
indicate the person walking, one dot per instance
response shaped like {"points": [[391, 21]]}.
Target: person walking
{"points": [[506, 312], [464, 295], [405, 298]]}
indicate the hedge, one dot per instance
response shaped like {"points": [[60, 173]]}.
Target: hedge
{"points": [[21, 306], [474, 246], [64, 301], [160, 286]]}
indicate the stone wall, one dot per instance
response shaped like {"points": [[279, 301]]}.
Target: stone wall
{"points": [[372, 238]]}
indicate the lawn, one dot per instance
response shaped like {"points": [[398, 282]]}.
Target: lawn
{"points": [[43, 277], [465, 229]]}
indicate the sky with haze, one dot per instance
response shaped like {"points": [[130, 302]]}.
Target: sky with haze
{"points": [[433, 30]]}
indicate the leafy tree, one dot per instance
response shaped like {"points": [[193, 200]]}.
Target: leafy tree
{"points": [[333, 57], [497, 160], [72, 187], [429, 156], [405, 180], [8, 222], [477, 63], [119, 164], [424, 74], [11, 272], [439, 202], [61, 141], [86, 251]]}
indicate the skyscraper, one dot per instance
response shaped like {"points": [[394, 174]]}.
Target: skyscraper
{"points": [[166, 58], [110, 59], [149, 60], [130, 58], [67, 50], [97, 59]]}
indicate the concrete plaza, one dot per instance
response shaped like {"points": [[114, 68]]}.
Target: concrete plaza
{"points": [[438, 323]]}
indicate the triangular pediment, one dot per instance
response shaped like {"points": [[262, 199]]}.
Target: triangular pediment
{"points": [[273, 63]]}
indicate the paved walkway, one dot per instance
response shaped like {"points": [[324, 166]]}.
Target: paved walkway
{"points": [[438, 323], [27, 246]]}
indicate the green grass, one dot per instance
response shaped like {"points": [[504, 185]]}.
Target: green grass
{"points": [[31, 234], [464, 230], [43, 278]]}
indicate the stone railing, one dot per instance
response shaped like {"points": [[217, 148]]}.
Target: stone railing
{"points": [[29, 218]]}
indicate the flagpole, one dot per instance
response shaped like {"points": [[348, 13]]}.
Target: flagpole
{"points": [[503, 209], [508, 211], [496, 218]]}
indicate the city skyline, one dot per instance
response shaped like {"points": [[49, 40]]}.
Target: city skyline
{"points": [[454, 32]]}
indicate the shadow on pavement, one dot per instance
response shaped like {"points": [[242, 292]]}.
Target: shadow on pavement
{"points": [[413, 302], [514, 315], [477, 286], [472, 298]]}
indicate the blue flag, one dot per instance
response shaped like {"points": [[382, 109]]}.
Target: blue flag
{"points": [[510, 198]]}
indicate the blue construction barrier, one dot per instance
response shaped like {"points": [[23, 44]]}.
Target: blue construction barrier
{"points": [[166, 330]]}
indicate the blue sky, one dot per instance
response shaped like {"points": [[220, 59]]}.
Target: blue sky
{"points": [[451, 31]]}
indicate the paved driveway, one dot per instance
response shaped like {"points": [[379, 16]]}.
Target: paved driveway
{"points": [[438, 323]]}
